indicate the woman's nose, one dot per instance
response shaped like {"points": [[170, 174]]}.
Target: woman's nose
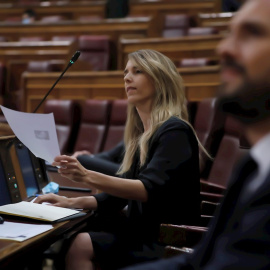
{"points": [[127, 77]]}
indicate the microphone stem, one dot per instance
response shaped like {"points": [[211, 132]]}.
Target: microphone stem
{"points": [[67, 67]]}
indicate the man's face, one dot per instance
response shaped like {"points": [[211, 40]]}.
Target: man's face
{"points": [[245, 52]]}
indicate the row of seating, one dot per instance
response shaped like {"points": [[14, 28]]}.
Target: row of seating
{"points": [[102, 126], [95, 50], [73, 10], [98, 125]]}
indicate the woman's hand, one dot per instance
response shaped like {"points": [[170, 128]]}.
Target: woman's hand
{"points": [[53, 199], [71, 168]]}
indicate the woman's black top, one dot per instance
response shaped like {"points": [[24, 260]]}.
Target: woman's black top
{"points": [[171, 178]]}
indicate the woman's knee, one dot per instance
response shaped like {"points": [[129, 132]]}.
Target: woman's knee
{"points": [[81, 246]]}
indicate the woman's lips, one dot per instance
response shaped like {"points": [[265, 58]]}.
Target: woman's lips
{"points": [[130, 88]]}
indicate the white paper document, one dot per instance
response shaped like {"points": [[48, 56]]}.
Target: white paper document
{"points": [[20, 231], [36, 131]]}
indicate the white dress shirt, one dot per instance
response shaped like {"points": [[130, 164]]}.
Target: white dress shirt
{"points": [[260, 152]]}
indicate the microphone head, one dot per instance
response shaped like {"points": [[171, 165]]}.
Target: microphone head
{"points": [[75, 57]]}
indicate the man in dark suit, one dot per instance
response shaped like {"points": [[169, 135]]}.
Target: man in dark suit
{"points": [[239, 236]]}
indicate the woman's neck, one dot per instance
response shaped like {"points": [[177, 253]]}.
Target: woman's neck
{"points": [[145, 115]]}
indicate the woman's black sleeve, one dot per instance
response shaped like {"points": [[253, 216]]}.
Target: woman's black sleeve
{"points": [[169, 162], [109, 203]]}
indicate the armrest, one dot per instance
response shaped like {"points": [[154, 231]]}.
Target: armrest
{"points": [[174, 251], [180, 235], [210, 197], [211, 187], [208, 208], [205, 220]]}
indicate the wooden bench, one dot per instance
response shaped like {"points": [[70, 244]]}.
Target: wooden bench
{"points": [[36, 50], [175, 48], [200, 83], [12, 52], [114, 28], [158, 8], [70, 11], [218, 20]]}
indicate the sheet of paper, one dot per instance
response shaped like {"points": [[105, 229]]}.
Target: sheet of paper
{"points": [[20, 231], [37, 211], [36, 131]]}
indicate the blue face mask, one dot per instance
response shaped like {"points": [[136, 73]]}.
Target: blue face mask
{"points": [[26, 21]]}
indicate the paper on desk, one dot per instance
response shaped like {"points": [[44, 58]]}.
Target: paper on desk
{"points": [[21, 231], [36, 131]]}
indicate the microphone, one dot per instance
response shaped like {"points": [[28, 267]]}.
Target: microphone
{"points": [[70, 63]]}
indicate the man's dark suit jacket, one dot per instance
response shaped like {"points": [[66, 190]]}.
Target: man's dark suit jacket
{"points": [[239, 236]]}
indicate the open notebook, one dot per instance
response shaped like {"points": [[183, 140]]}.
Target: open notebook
{"points": [[42, 212]]}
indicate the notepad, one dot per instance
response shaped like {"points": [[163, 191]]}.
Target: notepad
{"points": [[42, 212]]}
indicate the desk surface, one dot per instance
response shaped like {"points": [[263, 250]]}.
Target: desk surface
{"points": [[13, 255]]}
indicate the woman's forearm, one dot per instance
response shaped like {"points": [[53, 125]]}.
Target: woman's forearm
{"points": [[86, 202], [123, 188], [119, 187]]}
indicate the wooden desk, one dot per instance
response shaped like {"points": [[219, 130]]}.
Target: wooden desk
{"points": [[13, 54], [159, 8], [14, 255], [200, 83], [36, 50], [73, 10], [175, 48], [217, 20], [111, 27], [69, 10]]}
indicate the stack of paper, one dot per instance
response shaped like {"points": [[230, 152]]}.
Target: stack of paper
{"points": [[20, 231]]}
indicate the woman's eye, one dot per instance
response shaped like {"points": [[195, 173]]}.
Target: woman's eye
{"points": [[138, 71]]}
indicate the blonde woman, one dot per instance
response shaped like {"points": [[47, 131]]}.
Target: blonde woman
{"points": [[158, 179]]}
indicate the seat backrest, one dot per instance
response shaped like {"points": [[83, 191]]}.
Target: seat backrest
{"points": [[2, 79], [40, 66], [201, 31], [117, 124], [196, 62], [228, 153], [16, 70], [67, 114], [3, 39], [176, 25], [205, 121], [36, 38], [94, 124], [90, 18], [96, 51], [192, 107], [208, 124], [52, 19], [64, 38], [15, 19]]}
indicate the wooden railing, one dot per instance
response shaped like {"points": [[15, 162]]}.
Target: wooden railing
{"points": [[175, 48]]}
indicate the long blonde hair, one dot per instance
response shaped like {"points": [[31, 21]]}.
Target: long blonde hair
{"points": [[169, 101]]}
